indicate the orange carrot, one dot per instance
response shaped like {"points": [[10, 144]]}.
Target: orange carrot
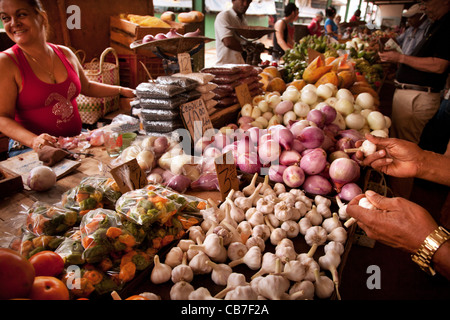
{"points": [[113, 232], [167, 239], [201, 205], [127, 239], [93, 276], [127, 272]]}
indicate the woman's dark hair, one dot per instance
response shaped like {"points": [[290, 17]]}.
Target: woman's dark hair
{"points": [[39, 8], [290, 7], [330, 11]]}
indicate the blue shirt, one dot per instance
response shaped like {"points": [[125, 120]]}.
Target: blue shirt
{"points": [[334, 26], [409, 39]]}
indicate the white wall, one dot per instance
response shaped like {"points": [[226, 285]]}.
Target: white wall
{"points": [[391, 14]]}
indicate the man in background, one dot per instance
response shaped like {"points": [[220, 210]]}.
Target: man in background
{"points": [[418, 23]]}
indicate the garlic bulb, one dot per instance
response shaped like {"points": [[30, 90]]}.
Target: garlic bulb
{"points": [[220, 273], [265, 206], [343, 215], [248, 190], [365, 203], [332, 223], [198, 263], [306, 287], [150, 296], [252, 259], [247, 202], [197, 234], [236, 213], [318, 199], [283, 211], [285, 253], [323, 285], [336, 246], [279, 188], [161, 272], [213, 247], [241, 293], [266, 186], [274, 221], [311, 266], [256, 241], [236, 250], [338, 234], [174, 257], [184, 244], [314, 216], [234, 280], [330, 261], [267, 266], [294, 270], [201, 294], [291, 227], [304, 224], [324, 210], [262, 231], [287, 198], [274, 285], [245, 230], [314, 237], [181, 291], [301, 207], [182, 272]]}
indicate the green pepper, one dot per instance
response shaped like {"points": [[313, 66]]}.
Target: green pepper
{"points": [[88, 204], [107, 285], [95, 254], [70, 218], [140, 262], [34, 251], [75, 258]]}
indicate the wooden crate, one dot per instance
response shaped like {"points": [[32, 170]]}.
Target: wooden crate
{"points": [[123, 33], [10, 183]]}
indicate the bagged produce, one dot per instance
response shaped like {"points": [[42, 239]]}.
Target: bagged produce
{"points": [[155, 90]]}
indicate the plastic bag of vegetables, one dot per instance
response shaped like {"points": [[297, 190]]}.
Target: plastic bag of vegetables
{"points": [[102, 234], [82, 198], [146, 206], [43, 218], [71, 250], [28, 244]]}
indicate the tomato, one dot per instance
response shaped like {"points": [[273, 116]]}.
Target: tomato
{"points": [[16, 275], [47, 263], [136, 297], [48, 288]]}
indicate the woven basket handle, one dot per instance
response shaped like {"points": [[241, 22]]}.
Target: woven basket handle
{"points": [[81, 55], [102, 60]]}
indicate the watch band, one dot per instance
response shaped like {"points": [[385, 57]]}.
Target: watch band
{"points": [[424, 255]]}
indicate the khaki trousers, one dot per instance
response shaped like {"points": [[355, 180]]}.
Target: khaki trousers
{"points": [[411, 110]]}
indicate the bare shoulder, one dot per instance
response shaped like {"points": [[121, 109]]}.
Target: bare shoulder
{"points": [[7, 64]]}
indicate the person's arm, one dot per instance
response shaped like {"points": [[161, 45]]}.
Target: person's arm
{"points": [[426, 64], [405, 159], [280, 26], [92, 88], [8, 95], [232, 43], [401, 224]]}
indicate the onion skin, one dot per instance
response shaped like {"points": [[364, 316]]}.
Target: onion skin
{"points": [[276, 173], [179, 183], [311, 137], [249, 162], [314, 162], [342, 171], [290, 157], [349, 191], [318, 185]]}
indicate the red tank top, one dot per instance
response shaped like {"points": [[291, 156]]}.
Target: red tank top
{"points": [[48, 108]]}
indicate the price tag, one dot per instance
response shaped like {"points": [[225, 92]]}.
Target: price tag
{"points": [[129, 176], [196, 118], [226, 174], [184, 61], [243, 94]]}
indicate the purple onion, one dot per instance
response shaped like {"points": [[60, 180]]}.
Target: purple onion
{"points": [[342, 171], [298, 146], [249, 162], [293, 176], [298, 126], [311, 137], [269, 151], [276, 173], [349, 191], [179, 183], [328, 142], [332, 128], [344, 143], [206, 182], [329, 112], [254, 133], [289, 157], [316, 116], [353, 134], [314, 162], [317, 185], [284, 137], [221, 140], [245, 145]]}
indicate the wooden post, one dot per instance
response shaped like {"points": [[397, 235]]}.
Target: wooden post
{"points": [[62, 16]]}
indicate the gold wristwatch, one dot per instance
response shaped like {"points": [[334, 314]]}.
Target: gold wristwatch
{"points": [[426, 251]]}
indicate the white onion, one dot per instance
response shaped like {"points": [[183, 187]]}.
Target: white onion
{"points": [[388, 121], [365, 100], [291, 94], [301, 109], [355, 121], [288, 117], [344, 106], [379, 133], [41, 178], [376, 120], [309, 86], [324, 91], [331, 101], [345, 94], [309, 96]]}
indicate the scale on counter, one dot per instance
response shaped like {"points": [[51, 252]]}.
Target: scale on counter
{"points": [[253, 48], [168, 49]]}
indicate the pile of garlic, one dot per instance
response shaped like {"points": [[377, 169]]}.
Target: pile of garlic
{"points": [[236, 233]]}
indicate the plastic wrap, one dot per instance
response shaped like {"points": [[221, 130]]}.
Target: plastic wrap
{"points": [[183, 82], [201, 77], [43, 218], [159, 115], [210, 86], [162, 126], [155, 90], [166, 104], [191, 95], [71, 250], [28, 244]]}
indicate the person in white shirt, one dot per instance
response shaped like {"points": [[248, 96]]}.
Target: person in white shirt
{"points": [[418, 26], [228, 45]]}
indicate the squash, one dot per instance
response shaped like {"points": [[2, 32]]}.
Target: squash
{"points": [[199, 16], [187, 17], [329, 77]]}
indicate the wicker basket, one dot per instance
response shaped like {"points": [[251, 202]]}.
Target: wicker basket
{"points": [[92, 109]]}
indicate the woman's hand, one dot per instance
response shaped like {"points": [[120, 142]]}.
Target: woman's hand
{"points": [[44, 140], [394, 157], [127, 92], [397, 222]]}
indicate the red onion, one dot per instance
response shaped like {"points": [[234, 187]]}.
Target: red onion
{"points": [[179, 183], [245, 119], [342, 171], [317, 185], [249, 162], [317, 117], [254, 133], [326, 172], [221, 140], [212, 152], [201, 145], [298, 126], [206, 182], [245, 145], [148, 38], [314, 162], [344, 143], [276, 173], [160, 36], [332, 128], [297, 146], [311, 137], [329, 113], [173, 34], [290, 157], [349, 191], [265, 138], [195, 33], [233, 148], [284, 137], [336, 155], [353, 134], [269, 151], [293, 176], [328, 142]]}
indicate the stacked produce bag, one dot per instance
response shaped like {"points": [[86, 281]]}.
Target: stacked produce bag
{"points": [[228, 77]]}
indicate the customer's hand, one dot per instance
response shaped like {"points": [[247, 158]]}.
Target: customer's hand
{"points": [[394, 157], [390, 56], [397, 222]]}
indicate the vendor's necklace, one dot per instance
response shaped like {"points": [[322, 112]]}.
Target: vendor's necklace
{"points": [[50, 73]]}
